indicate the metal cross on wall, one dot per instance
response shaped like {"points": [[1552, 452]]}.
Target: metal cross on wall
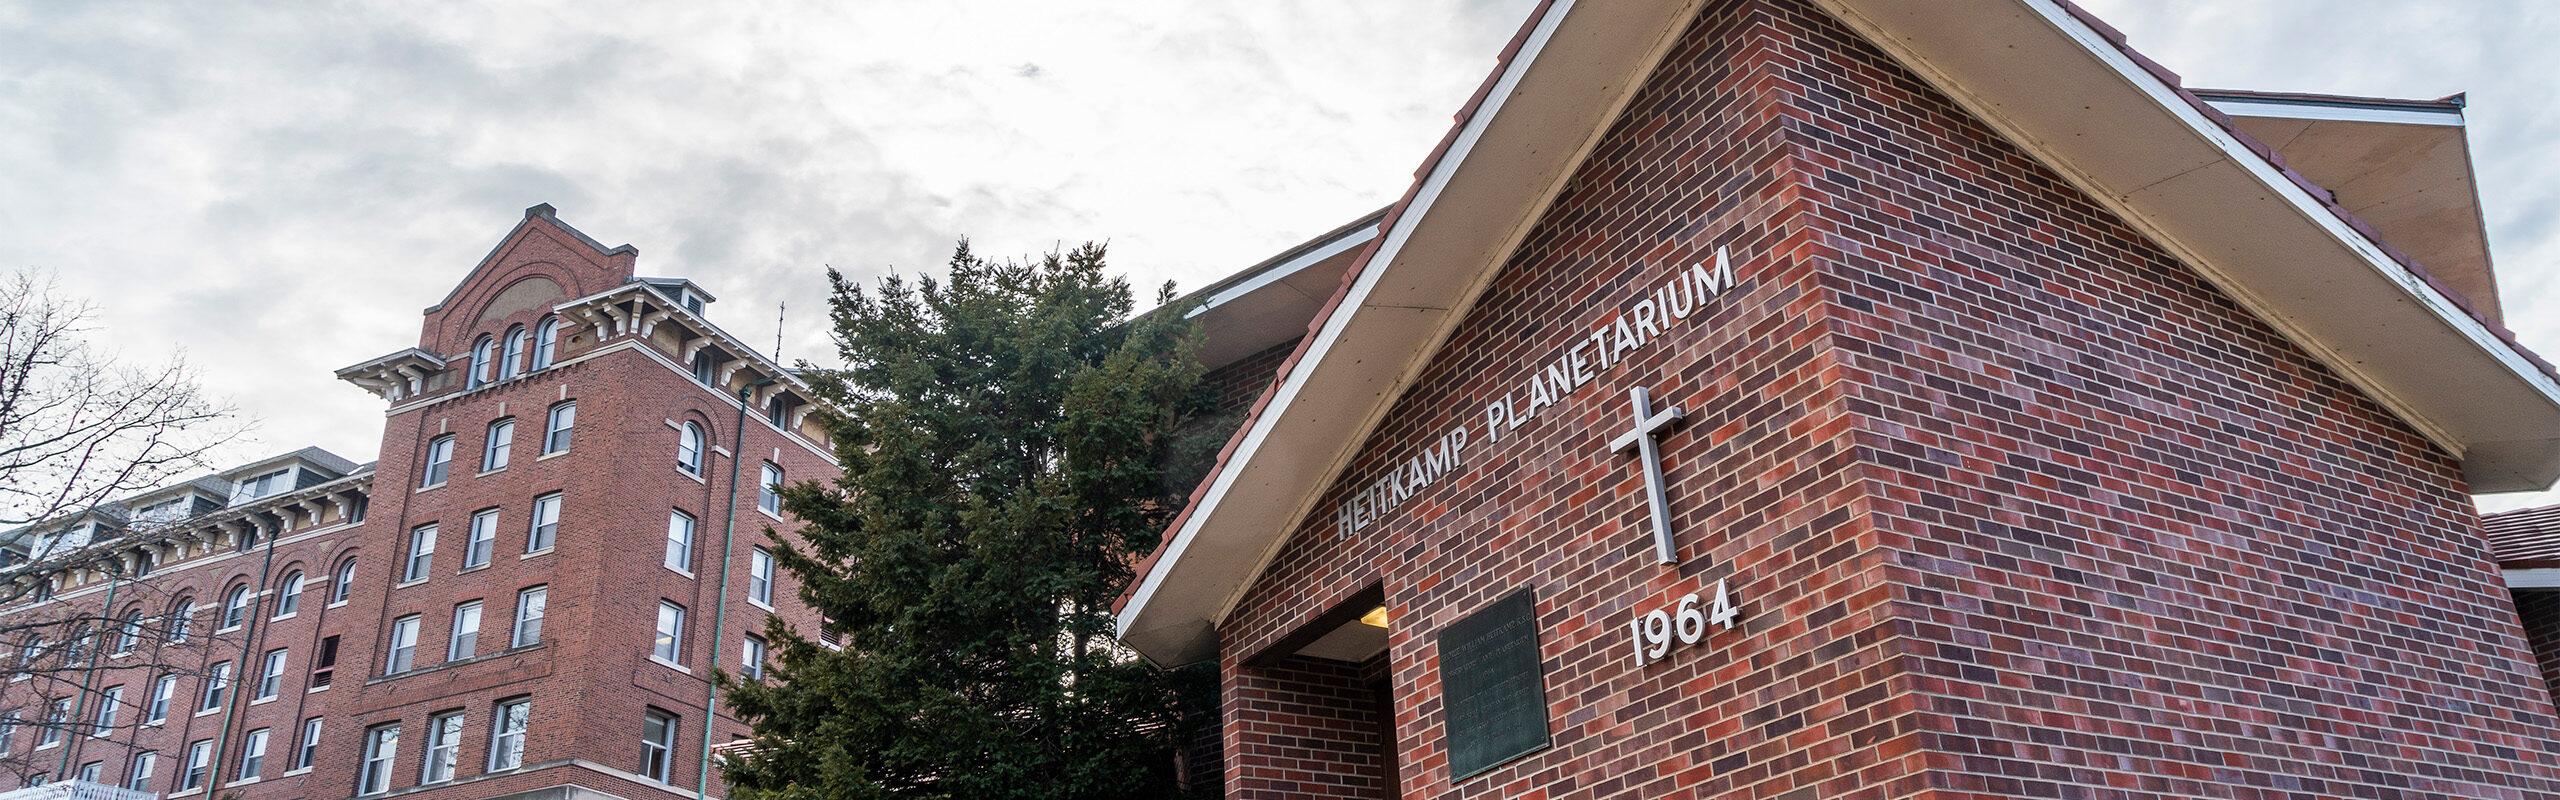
{"points": [[1650, 423]]}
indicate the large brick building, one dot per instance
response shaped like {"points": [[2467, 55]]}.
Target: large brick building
{"points": [[527, 595], [1876, 399]]}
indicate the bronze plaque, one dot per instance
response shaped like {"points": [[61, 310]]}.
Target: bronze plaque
{"points": [[1493, 685]]}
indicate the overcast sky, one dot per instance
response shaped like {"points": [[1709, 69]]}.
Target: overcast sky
{"points": [[279, 191]]}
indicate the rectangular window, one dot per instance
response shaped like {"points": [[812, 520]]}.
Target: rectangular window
{"points": [[494, 449], [439, 461], [529, 607], [555, 427], [138, 778], [109, 701], [161, 691], [769, 492], [404, 645], [546, 523], [484, 539], [199, 762], [381, 750], [751, 660], [90, 772], [253, 755], [658, 746], [670, 642], [8, 733], [466, 632], [506, 734], [444, 748], [680, 542], [324, 666], [760, 577], [57, 716], [422, 554], [271, 679], [309, 749], [216, 683]]}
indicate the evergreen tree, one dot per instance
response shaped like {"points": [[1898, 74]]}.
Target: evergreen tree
{"points": [[1004, 443]]}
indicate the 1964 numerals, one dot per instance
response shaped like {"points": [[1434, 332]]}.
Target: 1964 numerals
{"points": [[1684, 623]]}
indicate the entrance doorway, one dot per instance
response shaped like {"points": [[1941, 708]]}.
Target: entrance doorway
{"points": [[1314, 715]]}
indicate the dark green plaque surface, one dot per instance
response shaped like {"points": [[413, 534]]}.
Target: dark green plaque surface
{"points": [[1493, 686]]}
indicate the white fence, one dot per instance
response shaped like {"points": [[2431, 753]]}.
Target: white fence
{"points": [[75, 790]]}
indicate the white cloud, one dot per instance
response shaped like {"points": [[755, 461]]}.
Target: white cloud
{"points": [[278, 190]]}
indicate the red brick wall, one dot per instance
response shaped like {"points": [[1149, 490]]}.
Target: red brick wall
{"points": [[1317, 727], [2016, 505], [2540, 610], [590, 679]]}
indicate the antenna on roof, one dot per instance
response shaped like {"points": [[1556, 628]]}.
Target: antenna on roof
{"points": [[779, 309]]}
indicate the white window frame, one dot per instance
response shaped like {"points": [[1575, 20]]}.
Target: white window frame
{"points": [[110, 700], [199, 765], [546, 342], [543, 531], [511, 357], [506, 744], [532, 602], [483, 541], [751, 653], [465, 640], [769, 490], [271, 674], [235, 608], [658, 755], [420, 561], [689, 441], [402, 655], [559, 427], [760, 572], [253, 754], [497, 445], [484, 361], [443, 756], [306, 750], [289, 595], [137, 776], [164, 692], [681, 528], [381, 756], [439, 462], [217, 688], [342, 582], [666, 643]]}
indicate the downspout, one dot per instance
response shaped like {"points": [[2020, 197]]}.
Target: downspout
{"points": [[251, 636], [720, 607], [88, 683]]}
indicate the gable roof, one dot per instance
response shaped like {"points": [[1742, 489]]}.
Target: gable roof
{"points": [[2049, 77]]}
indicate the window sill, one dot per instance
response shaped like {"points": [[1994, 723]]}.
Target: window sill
{"points": [[427, 488], [491, 471], [535, 554], [407, 584], [336, 604], [316, 689], [209, 712], [156, 723], [262, 701], [48, 746], [221, 631], [284, 617], [243, 781], [768, 607], [653, 658], [687, 575], [471, 569], [292, 772], [768, 514], [187, 792], [551, 455]]}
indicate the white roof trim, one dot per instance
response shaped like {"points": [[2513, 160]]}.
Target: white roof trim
{"points": [[2533, 578], [1313, 256], [2336, 112]]}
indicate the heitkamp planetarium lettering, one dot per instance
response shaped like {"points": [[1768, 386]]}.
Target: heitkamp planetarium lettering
{"points": [[1567, 370]]}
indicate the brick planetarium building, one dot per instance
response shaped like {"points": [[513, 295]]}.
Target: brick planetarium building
{"points": [[525, 596], [1876, 399]]}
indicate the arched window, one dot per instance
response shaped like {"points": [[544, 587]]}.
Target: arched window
{"points": [[182, 617], [235, 607], [689, 449], [484, 362], [513, 363], [546, 341], [289, 598], [129, 630], [344, 582]]}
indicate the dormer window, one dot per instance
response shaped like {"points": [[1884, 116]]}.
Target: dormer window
{"points": [[693, 302], [261, 486], [484, 362], [513, 363], [702, 364], [546, 342]]}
